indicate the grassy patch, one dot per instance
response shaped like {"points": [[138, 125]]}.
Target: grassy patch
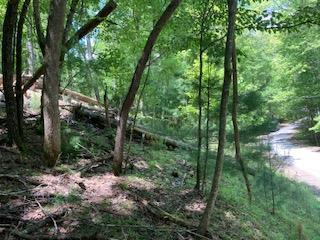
{"points": [[296, 206]]}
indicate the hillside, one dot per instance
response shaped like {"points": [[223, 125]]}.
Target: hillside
{"points": [[162, 119], [81, 199]]}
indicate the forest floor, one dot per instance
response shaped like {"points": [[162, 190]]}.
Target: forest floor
{"points": [[301, 162], [81, 199]]}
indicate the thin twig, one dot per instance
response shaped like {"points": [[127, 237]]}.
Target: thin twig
{"points": [[48, 215], [6, 194]]}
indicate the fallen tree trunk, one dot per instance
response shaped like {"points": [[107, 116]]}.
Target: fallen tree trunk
{"points": [[97, 118], [80, 97]]}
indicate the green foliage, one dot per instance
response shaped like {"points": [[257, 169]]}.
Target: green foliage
{"points": [[70, 140], [35, 102], [72, 198], [316, 127]]}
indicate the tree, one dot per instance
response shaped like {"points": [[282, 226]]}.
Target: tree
{"points": [[202, 30], [236, 133], [77, 36], [135, 83], [37, 21], [9, 27], [51, 116], [89, 58], [204, 223], [18, 87]]}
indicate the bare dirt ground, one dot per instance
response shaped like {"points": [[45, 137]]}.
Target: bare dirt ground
{"points": [[301, 163], [81, 199]]}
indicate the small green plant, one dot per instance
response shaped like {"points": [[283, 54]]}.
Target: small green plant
{"points": [[72, 197], [123, 186], [35, 102], [70, 141]]}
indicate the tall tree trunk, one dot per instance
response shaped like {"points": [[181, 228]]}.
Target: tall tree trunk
{"points": [[9, 27], [51, 116], [19, 92], [204, 175], [106, 106], [41, 42], [89, 58], [135, 82], [204, 223], [235, 121], [198, 181], [134, 122], [37, 22], [70, 17], [30, 49], [204, 18]]}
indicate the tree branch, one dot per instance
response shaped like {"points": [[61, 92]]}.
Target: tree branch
{"points": [[83, 31], [39, 30], [73, 8]]}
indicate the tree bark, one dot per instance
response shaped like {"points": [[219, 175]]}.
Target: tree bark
{"points": [[9, 27], [204, 223], [37, 22], [198, 181], [106, 107], [30, 49], [135, 82], [204, 18], [204, 175], [19, 92], [83, 31], [236, 134], [51, 116], [89, 58], [134, 121], [72, 11]]}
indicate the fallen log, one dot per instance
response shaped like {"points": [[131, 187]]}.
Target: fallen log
{"points": [[80, 97], [98, 119], [169, 142], [94, 116]]}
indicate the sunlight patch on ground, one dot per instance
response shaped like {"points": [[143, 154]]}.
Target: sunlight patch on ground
{"points": [[104, 190], [140, 183], [197, 206]]}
